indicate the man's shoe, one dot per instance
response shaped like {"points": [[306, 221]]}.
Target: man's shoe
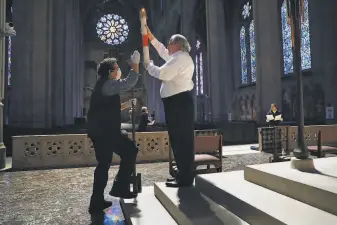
{"points": [[9, 30], [176, 184], [98, 207], [170, 179], [121, 191]]}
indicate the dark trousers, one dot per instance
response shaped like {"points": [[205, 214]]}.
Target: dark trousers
{"points": [[104, 147], [9, 17], [179, 115]]}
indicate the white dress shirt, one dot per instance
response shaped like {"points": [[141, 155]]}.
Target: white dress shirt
{"points": [[176, 74]]}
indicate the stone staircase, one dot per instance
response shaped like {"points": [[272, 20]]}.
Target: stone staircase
{"points": [[267, 194]]}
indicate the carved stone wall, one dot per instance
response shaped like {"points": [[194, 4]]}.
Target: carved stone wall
{"points": [[48, 151], [57, 151], [289, 136], [313, 97], [244, 106]]}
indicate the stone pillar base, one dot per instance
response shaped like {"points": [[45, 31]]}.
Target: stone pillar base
{"points": [[2, 156], [304, 165]]}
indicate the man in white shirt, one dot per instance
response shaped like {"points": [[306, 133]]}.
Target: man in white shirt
{"points": [[176, 92]]}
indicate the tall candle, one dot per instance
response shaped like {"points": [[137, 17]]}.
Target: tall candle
{"points": [[146, 53]]}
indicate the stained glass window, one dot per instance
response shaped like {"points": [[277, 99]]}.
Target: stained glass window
{"points": [[112, 29], [305, 35], [246, 10], [252, 51], [9, 75], [244, 71], [247, 45], [287, 42], [199, 72]]}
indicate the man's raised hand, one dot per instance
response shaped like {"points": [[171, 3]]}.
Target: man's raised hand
{"points": [[149, 33], [135, 57], [134, 61]]}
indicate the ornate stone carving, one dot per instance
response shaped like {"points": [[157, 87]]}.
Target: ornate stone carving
{"points": [[309, 105], [54, 148], [310, 135], [90, 147], [247, 107], [76, 147], [242, 108], [152, 144], [254, 107], [166, 145], [313, 99], [286, 103], [293, 136], [235, 109], [32, 149]]}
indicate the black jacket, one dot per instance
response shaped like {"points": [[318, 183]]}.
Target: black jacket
{"points": [[104, 115], [144, 120]]}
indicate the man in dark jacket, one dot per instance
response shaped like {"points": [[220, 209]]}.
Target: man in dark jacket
{"points": [[104, 129], [275, 114], [144, 120]]}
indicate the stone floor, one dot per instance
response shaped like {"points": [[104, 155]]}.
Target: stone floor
{"points": [[239, 149], [61, 196]]}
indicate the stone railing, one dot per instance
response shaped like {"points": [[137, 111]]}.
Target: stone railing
{"points": [[57, 151], [289, 135]]}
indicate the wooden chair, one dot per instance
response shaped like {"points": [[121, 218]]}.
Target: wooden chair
{"points": [[320, 150], [208, 152]]}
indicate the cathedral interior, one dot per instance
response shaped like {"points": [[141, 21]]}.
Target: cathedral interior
{"points": [[245, 57], [242, 52]]}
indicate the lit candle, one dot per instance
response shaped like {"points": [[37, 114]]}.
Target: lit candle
{"points": [[146, 53]]}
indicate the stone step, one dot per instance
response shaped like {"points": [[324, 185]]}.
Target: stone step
{"points": [[146, 210], [257, 205], [316, 187], [189, 207]]}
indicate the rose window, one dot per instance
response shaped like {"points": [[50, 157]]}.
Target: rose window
{"points": [[112, 29]]}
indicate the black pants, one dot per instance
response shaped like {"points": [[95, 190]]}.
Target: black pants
{"points": [[9, 17], [179, 115], [104, 147]]}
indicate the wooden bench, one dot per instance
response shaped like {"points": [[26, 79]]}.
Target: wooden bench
{"points": [[324, 145], [208, 152]]}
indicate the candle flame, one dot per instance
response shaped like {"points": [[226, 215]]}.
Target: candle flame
{"points": [[143, 12]]}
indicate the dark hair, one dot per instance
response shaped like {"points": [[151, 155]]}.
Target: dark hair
{"points": [[273, 104], [107, 65]]}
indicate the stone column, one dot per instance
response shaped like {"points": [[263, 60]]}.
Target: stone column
{"points": [[269, 68], [47, 68], [2, 82], [217, 68], [323, 18]]}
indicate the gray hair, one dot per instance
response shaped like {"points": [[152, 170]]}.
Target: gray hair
{"points": [[181, 41]]}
